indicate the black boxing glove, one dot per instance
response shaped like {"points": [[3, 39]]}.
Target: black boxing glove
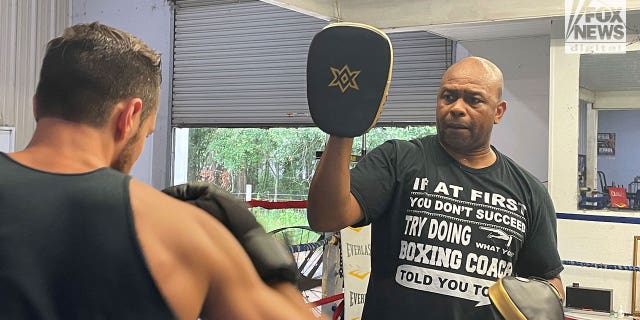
{"points": [[271, 259]]}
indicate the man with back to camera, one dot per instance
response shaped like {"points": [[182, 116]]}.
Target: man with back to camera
{"points": [[79, 238], [449, 213]]}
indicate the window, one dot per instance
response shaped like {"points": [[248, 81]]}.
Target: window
{"points": [[608, 132], [274, 164]]}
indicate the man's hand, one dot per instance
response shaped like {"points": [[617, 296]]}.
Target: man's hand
{"points": [[557, 283]]}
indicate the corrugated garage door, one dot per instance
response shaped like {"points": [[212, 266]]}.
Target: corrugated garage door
{"points": [[243, 64]]}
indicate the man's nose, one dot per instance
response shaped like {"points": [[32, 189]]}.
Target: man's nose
{"points": [[458, 109]]}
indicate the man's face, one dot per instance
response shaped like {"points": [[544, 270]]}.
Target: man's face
{"points": [[132, 149], [468, 105]]}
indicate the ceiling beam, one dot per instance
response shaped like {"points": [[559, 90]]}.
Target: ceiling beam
{"points": [[617, 100], [323, 9], [421, 14]]}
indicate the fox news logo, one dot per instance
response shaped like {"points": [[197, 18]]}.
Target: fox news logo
{"points": [[595, 26]]}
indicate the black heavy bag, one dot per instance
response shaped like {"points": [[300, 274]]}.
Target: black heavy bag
{"points": [[348, 76], [515, 298]]}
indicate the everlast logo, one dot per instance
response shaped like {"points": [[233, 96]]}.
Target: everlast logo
{"points": [[356, 298], [598, 27], [358, 250]]}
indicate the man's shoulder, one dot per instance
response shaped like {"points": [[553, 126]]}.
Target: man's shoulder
{"points": [[409, 145], [175, 224], [518, 171], [423, 142], [147, 198]]}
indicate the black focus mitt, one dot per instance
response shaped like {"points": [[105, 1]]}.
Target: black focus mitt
{"points": [[516, 298], [348, 76], [271, 259]]}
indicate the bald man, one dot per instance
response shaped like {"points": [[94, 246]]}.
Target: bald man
{"points": [[450, 214]]}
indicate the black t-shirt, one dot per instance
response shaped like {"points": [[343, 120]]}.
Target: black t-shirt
{"points": [[442, 233]]}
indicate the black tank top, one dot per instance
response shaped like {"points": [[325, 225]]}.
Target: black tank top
{"points": [[69, 250]]}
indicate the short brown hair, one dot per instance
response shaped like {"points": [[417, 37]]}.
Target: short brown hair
{"points": [[90, 68]]}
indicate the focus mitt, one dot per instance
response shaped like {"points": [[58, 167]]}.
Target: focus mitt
{"points": [[516, 298], [348, 76]]}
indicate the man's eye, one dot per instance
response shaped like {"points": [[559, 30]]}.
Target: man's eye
{"points": [[475, 101], [448, 98]]}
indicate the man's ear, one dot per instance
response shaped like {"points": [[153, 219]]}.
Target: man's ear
{"points": [[35, 107], [127, 114], [500, 110]]}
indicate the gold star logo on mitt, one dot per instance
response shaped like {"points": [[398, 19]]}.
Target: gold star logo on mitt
{"points": [[344, 78]]}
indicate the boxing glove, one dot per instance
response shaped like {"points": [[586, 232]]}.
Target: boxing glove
{"points": [[271, 259]]}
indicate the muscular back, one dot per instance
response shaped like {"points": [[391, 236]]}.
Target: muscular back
{"points": [[68, 248], [199, 265]]}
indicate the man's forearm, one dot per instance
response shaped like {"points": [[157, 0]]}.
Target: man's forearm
{"points": [[329, 192]]}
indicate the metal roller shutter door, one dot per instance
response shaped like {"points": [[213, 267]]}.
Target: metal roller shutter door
{"points": [[243, 64]]}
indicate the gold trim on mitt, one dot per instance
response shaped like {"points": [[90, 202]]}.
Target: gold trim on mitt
{"points": [[501, 300]]}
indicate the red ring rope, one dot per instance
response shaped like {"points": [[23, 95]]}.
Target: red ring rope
{"points": [[298, 204], [328, 299]]}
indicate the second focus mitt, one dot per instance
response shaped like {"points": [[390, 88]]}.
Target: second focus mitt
{"points": [[516, 298]]}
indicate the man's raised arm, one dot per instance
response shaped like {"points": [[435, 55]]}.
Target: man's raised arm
{"points": [[331, 206]]}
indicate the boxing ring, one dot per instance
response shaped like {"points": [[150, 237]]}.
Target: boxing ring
{"points": [[320, 262]]}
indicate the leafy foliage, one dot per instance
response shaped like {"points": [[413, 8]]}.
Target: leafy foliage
{"points": [[278, 162]]}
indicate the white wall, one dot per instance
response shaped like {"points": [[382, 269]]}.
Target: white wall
{"points": [[599, 242], [149, 20], [523, 132], [25, 28]]}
